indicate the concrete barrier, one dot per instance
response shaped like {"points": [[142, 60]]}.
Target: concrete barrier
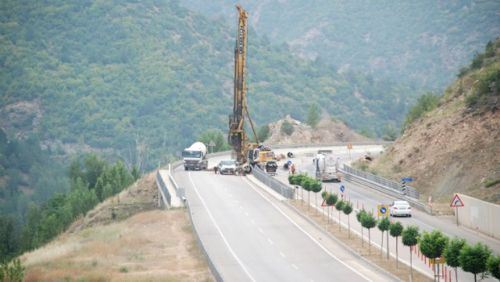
{"points": [[479, 215]]}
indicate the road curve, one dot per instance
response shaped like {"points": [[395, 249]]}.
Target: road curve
{"points": [[251, 236]]}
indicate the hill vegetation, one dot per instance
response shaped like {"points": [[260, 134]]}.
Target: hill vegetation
{"points": [[92, 181], [142, 80], [451, 142], [421, 42]]}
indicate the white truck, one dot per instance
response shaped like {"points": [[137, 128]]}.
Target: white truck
{"points": [[195, 157], [326, 167]]}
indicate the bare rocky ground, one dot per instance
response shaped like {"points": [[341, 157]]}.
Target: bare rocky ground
{"points": [[451, 149], [126, 238], [328, 131], [354, 242]]}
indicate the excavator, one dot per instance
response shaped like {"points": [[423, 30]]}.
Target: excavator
{"points": [[247, 153]]}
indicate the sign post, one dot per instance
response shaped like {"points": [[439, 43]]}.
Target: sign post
{"points": [[456, 203], [349, 147], [211, 145], [382, 210]]}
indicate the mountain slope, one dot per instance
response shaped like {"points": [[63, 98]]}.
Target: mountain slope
{"points": [[123, 239], [456, 146], [422, 42], [328, 131], [141, 80]]}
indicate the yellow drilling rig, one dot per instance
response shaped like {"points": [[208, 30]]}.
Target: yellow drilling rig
{"points": [[248, 154]]}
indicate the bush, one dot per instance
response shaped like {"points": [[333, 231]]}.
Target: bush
{"points": [[488, 85], [263, 132], [287, 128], [313, 116], [13, 271], [424, 104], [491, 182]]}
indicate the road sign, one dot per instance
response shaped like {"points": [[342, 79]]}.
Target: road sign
{"points": [[438, 260], [456, 202], [383, 210], [342, 188], [407, 179]]}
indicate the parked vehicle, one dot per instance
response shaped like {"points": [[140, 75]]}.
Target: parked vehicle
{"points": [[326, 167], [195, 157], [400, 208], [227, 167], [271, 167]]}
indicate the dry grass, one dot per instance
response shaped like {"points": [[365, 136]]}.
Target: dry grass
{"points": [[137, 243], [154, 245], [354, 242]]}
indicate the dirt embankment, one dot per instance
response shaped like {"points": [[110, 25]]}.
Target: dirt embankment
{"points": [[328, 131], [451, 149], [123, 239]]}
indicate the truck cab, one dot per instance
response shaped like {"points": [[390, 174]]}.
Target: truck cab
{"points": [[195, 157]]}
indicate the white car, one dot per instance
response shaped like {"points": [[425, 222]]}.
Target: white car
{"points": [[227, 167], [400, 208]]}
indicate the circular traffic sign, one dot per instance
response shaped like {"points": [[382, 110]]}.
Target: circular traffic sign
{"points": [[383, 210], [342, 188]]}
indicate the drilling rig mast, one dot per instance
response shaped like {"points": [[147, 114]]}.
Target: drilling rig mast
{"points": [[237, 135]]}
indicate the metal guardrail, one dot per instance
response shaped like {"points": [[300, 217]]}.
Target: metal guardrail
{"points": [[382, 188], [211, 265], [383, 182], [294, 146], [278, 186], [181, 193], [167, 198]]}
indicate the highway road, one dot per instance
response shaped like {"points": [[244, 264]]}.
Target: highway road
{"points": [[252, 236], [362, 196]]}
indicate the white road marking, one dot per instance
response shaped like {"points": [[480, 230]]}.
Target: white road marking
{"points": [[305, 232], [246, 213], [252, 221], [270, 241], [260, 230], [282, 255], [294, 266], [220, 231]]}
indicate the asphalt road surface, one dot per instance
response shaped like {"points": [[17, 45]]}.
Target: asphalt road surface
{"points": [[367, 198], [252, 236]]}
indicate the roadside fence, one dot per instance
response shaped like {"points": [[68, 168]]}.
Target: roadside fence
{"points": [[278, 186]]}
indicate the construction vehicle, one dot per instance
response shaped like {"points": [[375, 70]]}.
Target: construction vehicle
{"points": [[247, 153], [195, 157], [326, 167]]}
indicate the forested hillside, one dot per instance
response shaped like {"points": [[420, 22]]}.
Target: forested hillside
{"points": [[421, 42], [27, 175], [141, 80]]}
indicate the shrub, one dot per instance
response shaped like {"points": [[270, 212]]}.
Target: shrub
{"points": [[287, 128], [424, 104], [263, 132], [313, 116]]}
